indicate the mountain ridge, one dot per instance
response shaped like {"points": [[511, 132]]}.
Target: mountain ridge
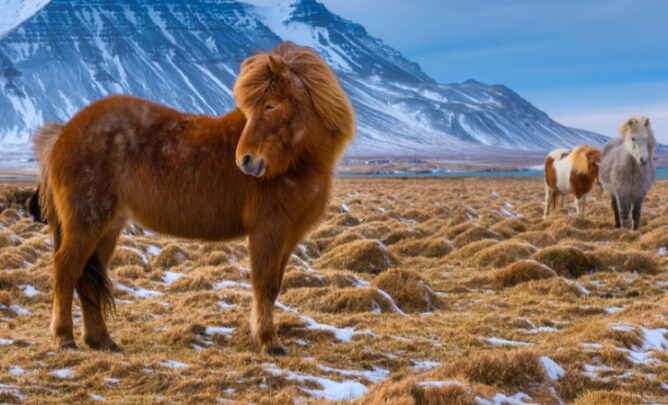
{"points": [[186, 55]]}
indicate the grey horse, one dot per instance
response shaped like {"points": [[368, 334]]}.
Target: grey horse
{"points": [[627, 171]]}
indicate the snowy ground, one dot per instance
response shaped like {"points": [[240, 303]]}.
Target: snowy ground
{"points": [[453, 290]]}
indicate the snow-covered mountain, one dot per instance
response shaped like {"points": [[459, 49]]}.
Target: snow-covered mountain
{"points": [[186, 54]]}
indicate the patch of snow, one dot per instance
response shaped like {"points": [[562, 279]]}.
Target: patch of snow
{"points": [[225, 305], [16, 370], [592, 371], [6, 341], [225, 332], [394, 306], [14, 12], [285, 307], [111, 380], [171, 277], [552, 369], [541, 329], [97, 397], [137, 251], [228, 283], [424, 365], [375, 375], [139, 292], [438, 383], [612, 310], [499, 341], [342, 334], [662, 251], [173, 364], [578, 285], [19, 310], [502, 399], [652, 340], [63, 373], [331, 390], [29, 290], [345, 206], [153, 250], [592, 345]]}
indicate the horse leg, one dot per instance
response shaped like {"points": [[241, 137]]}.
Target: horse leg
{"points": [[96, 335], [267, 267], [635, 214], [68, 263], [549, 200], [623, 204], [615, 211], [580, 205]]}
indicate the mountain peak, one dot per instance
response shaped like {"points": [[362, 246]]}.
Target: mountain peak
{"points": [[186, 54]]}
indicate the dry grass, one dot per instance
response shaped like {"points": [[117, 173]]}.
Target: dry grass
{"points": [[409, 291], [521, 272], [418, 292], [361, 256]]}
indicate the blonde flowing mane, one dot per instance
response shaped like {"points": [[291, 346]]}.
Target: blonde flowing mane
{"points": [[579, 161], [329, 100]]}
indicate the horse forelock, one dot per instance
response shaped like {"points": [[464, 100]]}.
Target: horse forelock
{"points": [[639, 125], [329, 101]]}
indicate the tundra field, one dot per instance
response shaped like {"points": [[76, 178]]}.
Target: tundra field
{"points": [[425, 291]]}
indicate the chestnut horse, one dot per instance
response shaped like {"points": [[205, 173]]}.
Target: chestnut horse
{"points": [[263, 170], [571, 172]]}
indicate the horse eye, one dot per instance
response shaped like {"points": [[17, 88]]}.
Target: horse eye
{"points": [[633, 139], [269, 106]]}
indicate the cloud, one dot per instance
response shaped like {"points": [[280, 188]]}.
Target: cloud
{"points": [[606, 121]]}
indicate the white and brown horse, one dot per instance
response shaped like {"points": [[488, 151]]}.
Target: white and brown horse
{"points": [[570, 172]]}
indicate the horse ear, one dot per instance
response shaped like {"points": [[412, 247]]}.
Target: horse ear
{"points": [[647, 122], [276, 65], [627, 124]]}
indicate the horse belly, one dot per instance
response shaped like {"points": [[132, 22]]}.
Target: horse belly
{"points": [[187, 216]]}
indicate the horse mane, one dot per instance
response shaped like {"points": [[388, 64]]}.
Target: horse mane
{"points": [[631, 125], [579, 160], [328, 98]]}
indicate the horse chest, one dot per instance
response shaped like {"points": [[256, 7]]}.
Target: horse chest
{"points": [[563, 171]]}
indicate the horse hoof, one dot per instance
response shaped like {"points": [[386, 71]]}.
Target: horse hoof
{"points": [[68, 346], [114, 348], [276, 350]]}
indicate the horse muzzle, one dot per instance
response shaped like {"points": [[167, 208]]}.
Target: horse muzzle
{"points": [[251, 166], [643, 161]]}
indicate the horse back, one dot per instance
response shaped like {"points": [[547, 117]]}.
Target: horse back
{"points": [[169, 171]]}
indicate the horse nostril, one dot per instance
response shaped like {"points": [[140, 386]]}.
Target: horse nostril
{"points": [[246, 159]]}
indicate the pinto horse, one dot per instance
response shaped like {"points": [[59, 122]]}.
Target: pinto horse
{"points": [[571, 172], [263, 170]]}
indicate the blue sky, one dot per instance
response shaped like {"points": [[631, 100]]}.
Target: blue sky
{"points": [[587, 63]]}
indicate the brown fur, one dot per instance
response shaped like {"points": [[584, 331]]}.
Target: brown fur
{"points": [[550, 173], [123, 157]]}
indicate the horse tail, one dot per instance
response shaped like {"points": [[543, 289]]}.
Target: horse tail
{"points": [[94, 285], [33, 207], [43, 142]]}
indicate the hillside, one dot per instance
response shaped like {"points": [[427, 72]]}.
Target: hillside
{"points": [[186, 55]]}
